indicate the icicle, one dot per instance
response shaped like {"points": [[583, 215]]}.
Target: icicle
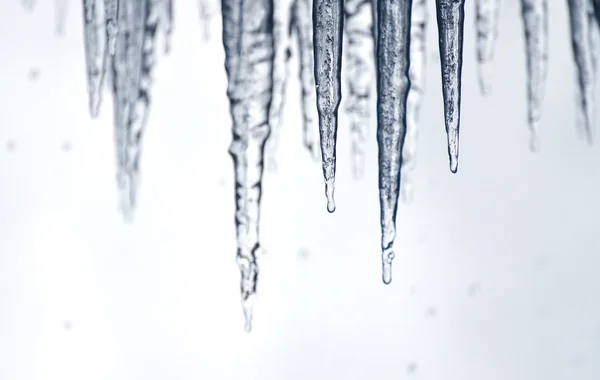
{"points": [[328, 23], [95, 56], [302, 23], [206, 14], [132, 64], [486, 23], [164, 9], [584, 60], [450, 20], [249, 54], [111, 12], [393, 46], [535, 20], [360, 73], [281, 34], [28, 5], [60, 9], [418, 60]]}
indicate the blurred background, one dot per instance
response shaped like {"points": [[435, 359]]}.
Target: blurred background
{"points": [[497, 270]]}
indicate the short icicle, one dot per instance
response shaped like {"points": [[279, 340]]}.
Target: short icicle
{"points": [[95, 57], [281, 35], [418, 62], [302, 25], [535, 21], [583, 56], [486, 24]]}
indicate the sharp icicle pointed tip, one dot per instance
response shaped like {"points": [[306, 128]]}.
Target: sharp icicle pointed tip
{"points": [[387, 257], [450, 19], [329, 190]]}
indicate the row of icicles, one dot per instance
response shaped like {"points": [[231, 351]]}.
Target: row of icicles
{"points": [[385, 37]]}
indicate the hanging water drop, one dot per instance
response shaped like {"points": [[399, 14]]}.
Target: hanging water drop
{"points": [[450, 20], [393, 84], [328, 23]]}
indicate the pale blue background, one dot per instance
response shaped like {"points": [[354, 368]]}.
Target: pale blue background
{"points": [[160, 299]]}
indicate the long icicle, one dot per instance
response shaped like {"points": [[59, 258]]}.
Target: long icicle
{"points": [[328, 24], [393, 83], [281, 35], [249, 54], [302, 23], [450, 20], [486, 24], [583, 57], [359, 76], [95, 56], [132, 62], [535, 22], [418, 62]]}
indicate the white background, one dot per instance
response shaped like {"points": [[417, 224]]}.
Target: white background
{"points": [[497, 272]]}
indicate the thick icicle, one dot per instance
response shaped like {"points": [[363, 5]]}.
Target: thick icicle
{"points": [[132, 63], [95, 55], [486, 23], [418, 61], [360, 73], [249, 54], [328, 24], [302, 23], [111, 13], [281, 34], [579, 11], [535, 22], [450, 20], [60, 9], [393, 83]]}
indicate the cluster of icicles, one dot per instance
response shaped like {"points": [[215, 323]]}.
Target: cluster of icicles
{"points": [[386, 37]]}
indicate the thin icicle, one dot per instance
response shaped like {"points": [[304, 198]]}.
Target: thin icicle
{"points": [[450, 20], [579, 11], [60, 9], [111, 13], [535, 22], [393, 83], [206, 14], [95, 56], [249, 54], [418, 61], [164, 9], [486, 23], [281, 34], [132, 64], [328, 26], [360, 73], [302, 23]]}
